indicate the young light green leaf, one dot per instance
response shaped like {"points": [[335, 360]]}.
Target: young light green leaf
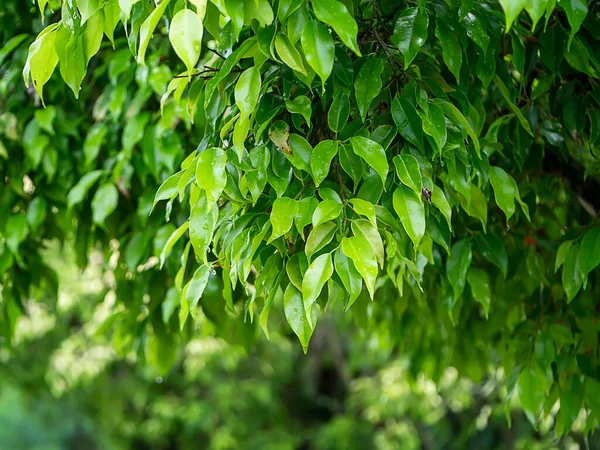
{"points": [[410, 33], [202, 227], [319, 237], [148, 28], [458, 265], [512, 9], [373, 154], [104, 203], [168, 189], [479, 281], [371, 234], [296, 317], [41, 60], [351, 278], [247, 90], [196, 287], [211, 174], [364, 208], [410, 209], [321, 158], [185, 34], [358, 249], [289, 54], [327, 210], [172, 241], [317, 274], [367, 85], [306, 209], [318, 48], [282, 216], [335, 13], [408, 171], [439, 201]]}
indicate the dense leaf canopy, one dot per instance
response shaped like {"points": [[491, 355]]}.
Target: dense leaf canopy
{"points": [[428, 167]]}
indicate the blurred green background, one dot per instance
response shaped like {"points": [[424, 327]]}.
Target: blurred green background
{"points": [[64, 386]]}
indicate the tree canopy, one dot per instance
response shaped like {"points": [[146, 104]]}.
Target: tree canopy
{"points": [[430, 168]]}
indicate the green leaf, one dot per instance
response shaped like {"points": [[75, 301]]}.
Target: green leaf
{"points": [[592, 395], [339, 112], [319, 237], [301, 152], [439, 201], [300, 105], [479, 281], [78, 192], [318, 48], [172, 241], [351, 278], [434, 125], [506, 95], [327, 210], [36, 212], [282, 216], [373, 154], [371, 234], [260, 10], [168, 189], [247, 90], [512, 9], [104, 203], [92, 36], [408, 122], [335, 13], [476, 31], [41, 60], [351, 163], [589, 252], [561, 255], [148, 28], [289, 54], [505, 192], [321, 158], [408, 171], [458, 265], [364, 208], [196, 287], [306, 209], [15, 232], [457, 117], [492, 248], [317, 274], [358, 249], [367, 85], [185, 34], [533, 388], [211, 174], [572, 278], [112, 13], [296, 317], [87, 8], [451, 48], [576, 12], [410, 209], [410, 33], [203, 221]]}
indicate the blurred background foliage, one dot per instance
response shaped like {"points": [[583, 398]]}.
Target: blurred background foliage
{"points": [[65, 387]]}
